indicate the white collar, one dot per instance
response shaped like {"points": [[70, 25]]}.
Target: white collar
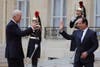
{"points": [[85, 29], [13, 20]]}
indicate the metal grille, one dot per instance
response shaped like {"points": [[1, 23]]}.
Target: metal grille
{"points": [[53, 32]]}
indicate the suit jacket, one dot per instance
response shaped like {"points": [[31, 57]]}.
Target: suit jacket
{"points": [[89, 44], [13, 40]]}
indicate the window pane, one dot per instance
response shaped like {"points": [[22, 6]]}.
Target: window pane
{"points": [[98, 7], [58, 12], [21, 7], [27, 22], [64, 7], [56, 22], [98, 24], [65, 20], [98, 21], [21, 23], [56, 9]]}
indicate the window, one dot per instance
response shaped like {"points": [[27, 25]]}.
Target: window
{"points": [[58, 11], [97, 17], [23, 5], [97, 13]]}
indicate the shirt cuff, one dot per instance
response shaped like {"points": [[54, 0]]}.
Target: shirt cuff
{"points": [[61, 31]]}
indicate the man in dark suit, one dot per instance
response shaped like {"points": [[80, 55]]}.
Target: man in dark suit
{"points": [[84, 41], [14, 52]]}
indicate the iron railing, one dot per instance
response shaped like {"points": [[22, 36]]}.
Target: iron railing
{"points": [[53, 32]]}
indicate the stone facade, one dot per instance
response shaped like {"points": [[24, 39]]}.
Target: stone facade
{"points": [[44, 6]]}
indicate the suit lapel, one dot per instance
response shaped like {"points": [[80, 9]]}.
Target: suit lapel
{"points": [[78, 39]]}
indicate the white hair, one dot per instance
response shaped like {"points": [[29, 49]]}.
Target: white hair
{"points": [[15, 12]]}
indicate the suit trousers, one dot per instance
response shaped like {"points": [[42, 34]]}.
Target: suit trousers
{"points": [[79, 64], [15, 62]]}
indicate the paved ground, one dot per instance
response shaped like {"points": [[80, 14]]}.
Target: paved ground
{"points": [[63, 62]]}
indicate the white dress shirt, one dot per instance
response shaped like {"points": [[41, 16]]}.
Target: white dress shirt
{"points": [[84, 33]]}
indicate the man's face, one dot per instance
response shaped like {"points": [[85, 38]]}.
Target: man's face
{"points": [[78, 13], [80, 25], [35, 22], [17, 18]]}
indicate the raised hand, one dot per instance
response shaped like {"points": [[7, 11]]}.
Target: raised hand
{"points": [[35, 26], [38, 27], [61, 26]]}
